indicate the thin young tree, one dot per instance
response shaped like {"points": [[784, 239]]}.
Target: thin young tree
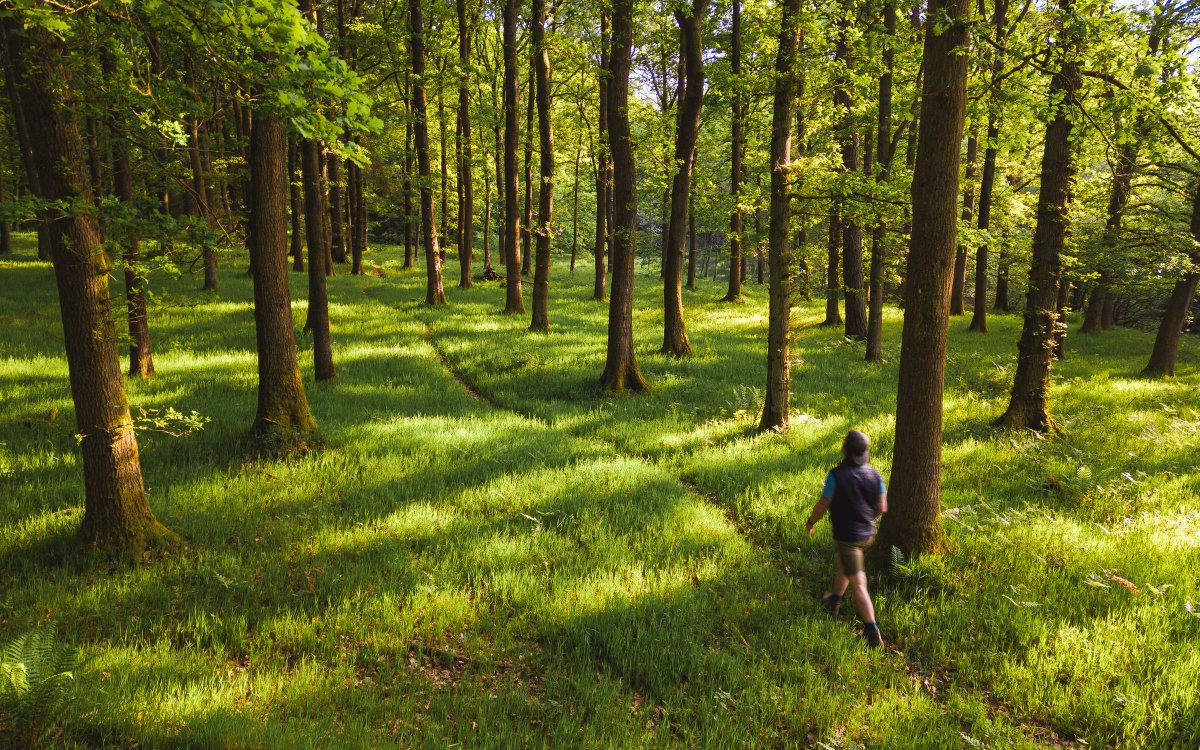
{"points": [[737, 149], [599, 287], [545, 225], [883, 159], [848, 140], [511, 245], [687, 130], [116, 515], [778, 395], [434, 294], [466, 209], [621, 371], [1028, 406], [914, 523]]}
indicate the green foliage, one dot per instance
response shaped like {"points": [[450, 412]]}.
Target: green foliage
{"points": [[37, 680]]}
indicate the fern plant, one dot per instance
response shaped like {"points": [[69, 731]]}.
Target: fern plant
{"points": [[37, 675]]}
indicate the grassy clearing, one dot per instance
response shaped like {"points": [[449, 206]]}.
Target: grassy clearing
{"points": [[532, 563]]}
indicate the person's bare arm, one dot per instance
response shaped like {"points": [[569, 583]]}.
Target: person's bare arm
{"points": [[882, 508], [818, 512]]}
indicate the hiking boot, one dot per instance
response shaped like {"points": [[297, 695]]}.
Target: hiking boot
{"points": [[832, 604], [874, 639]]}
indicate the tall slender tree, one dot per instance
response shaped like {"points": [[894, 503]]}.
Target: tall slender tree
{"points": [[883, 158], [511, 246], [914, 523], [599, 287], [687, 130], [1028, 406], [1166, 341], [737, 149], [116, 514], [545, 225], [959, 283], [621, 371], [466, 209], [434, 294], [778, 395], [848, 140]]}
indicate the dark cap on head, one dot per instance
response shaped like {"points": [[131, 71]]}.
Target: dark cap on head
{"points": [[856, 447]]}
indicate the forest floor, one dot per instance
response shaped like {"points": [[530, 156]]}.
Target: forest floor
{"points": [[483, 550]]}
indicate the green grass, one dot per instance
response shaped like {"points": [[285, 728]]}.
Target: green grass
{"points": [[533, 563]]}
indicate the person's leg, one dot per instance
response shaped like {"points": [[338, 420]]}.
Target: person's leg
{"points": [[862, 599], [840, 581]]}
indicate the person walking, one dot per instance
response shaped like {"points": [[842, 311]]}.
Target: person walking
{"points": [[855, 497]]}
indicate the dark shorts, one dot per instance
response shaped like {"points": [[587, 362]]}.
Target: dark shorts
{"points": [[853, 555]]}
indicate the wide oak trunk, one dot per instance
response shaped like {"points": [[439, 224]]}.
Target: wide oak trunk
{"points": [[914, 523]]}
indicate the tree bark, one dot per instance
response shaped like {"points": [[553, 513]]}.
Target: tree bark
{"points": [[466, 209], [776, 406], [513, 301], [407, 186], [687, 130], [883, 157], [848, 137], [116, 515], [527, 218], [737, 148], [283, 414], [1028, 407], [141, 361], [434, 294], [968, 213], [979, 316], [914, 523], [541, 279], [1166, 342], [1003, 263], [24, 145], [833, 313], [337, 245], [599, 290], [621, 371], [691, 258], [1122, 182], [203, 209], [294, 202]]}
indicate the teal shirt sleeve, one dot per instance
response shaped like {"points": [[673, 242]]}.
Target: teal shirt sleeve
{"points": [[882, 486], [830, 484]]}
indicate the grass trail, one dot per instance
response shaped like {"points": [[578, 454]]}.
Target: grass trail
{"points": [[487, 551]]}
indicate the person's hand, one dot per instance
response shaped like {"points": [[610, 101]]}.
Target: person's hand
{"points": [[810, 528]]}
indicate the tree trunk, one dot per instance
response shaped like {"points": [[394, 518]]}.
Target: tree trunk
{"points": [[691, 258], [852, 263], [776, 406], [1122, 181], [914, 523], [5, 229], [203, 210], [141, 362], [621, 371], [737, 148], [599, 291], [24, 145], [883, 157], [116, 515], [833, 314], [294, 201], [466, 209], [979, 316], [1166, 343], [434, 294], [541, 279], [1003, 263], [337, 236], [283, 414], [1028, 408], [527, 218], [575, 192], [968, 213], [407, 186], [513, 301], [687, 130]]}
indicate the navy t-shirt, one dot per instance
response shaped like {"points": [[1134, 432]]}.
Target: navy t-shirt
{"points": [[853, 492]]}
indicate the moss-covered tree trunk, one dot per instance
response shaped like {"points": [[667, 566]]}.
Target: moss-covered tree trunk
{"points": [[914, 524], [621, 371], [117, 514]]}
